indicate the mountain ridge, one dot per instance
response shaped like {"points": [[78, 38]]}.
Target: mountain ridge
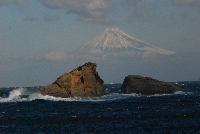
{"points": [[115, 40]]}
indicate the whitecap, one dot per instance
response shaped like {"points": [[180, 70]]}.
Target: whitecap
{"points": [[51, 98], [14, 95], [109, 97], [179, 92]]}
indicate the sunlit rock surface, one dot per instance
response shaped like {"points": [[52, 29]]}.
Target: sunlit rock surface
{"points": [[83, 81]]}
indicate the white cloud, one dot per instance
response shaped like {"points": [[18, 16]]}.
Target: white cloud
{"points": [[99, 55], [56, 56], [87, 10], [149, 54]]}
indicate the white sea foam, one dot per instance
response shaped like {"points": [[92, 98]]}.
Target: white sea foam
{"points": [[109, 97], [15, 96], [183, 93], [179, 92], [51, 98]]}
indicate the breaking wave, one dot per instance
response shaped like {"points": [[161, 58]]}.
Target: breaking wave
{"points": [[14, 96]]}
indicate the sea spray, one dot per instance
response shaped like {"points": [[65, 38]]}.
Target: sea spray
{"points": [[111, 113], [14, 95]]}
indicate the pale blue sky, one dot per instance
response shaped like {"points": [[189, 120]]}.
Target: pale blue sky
{"points": [[31, 31]]}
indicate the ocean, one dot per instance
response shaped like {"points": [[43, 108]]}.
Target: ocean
{"points": [[114, 113]]}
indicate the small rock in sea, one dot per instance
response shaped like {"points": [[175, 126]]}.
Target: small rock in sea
{"points": [[147, 86]]}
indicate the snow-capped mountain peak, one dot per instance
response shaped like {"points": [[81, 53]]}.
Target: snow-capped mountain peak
{"points": [[115, 40]]}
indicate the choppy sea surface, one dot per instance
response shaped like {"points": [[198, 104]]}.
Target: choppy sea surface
{"points": [[114, 113]]}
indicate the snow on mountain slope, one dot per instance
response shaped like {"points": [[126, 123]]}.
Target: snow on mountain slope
{"points": [[114, 40]]}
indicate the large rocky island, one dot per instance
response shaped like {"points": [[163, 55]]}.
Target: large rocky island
{"points": [[83, 81], [147, 86]]}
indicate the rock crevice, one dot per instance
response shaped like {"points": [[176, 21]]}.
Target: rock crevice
{"points": [[83, 81]]}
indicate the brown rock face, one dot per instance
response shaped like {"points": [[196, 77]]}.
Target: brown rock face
{"points": [[83, 81], [147, 86]]}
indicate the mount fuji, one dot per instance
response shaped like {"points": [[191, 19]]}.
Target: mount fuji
{"points": [[113, 41]]}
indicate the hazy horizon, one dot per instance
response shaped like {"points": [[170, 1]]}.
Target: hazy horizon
{"points": [[38, 39]]}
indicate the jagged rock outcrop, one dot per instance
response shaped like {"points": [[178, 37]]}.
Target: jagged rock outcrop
{"points": [[147, 86], [83, 81]]}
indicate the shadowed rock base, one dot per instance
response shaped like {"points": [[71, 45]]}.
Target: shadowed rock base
{"points": [[83, 81], [147, 86]]}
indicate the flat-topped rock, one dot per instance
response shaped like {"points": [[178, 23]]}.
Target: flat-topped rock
{"points": [[83, 81], [147, 86]]}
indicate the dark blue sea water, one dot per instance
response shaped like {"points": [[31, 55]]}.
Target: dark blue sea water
{"points": [[114, 113]]}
